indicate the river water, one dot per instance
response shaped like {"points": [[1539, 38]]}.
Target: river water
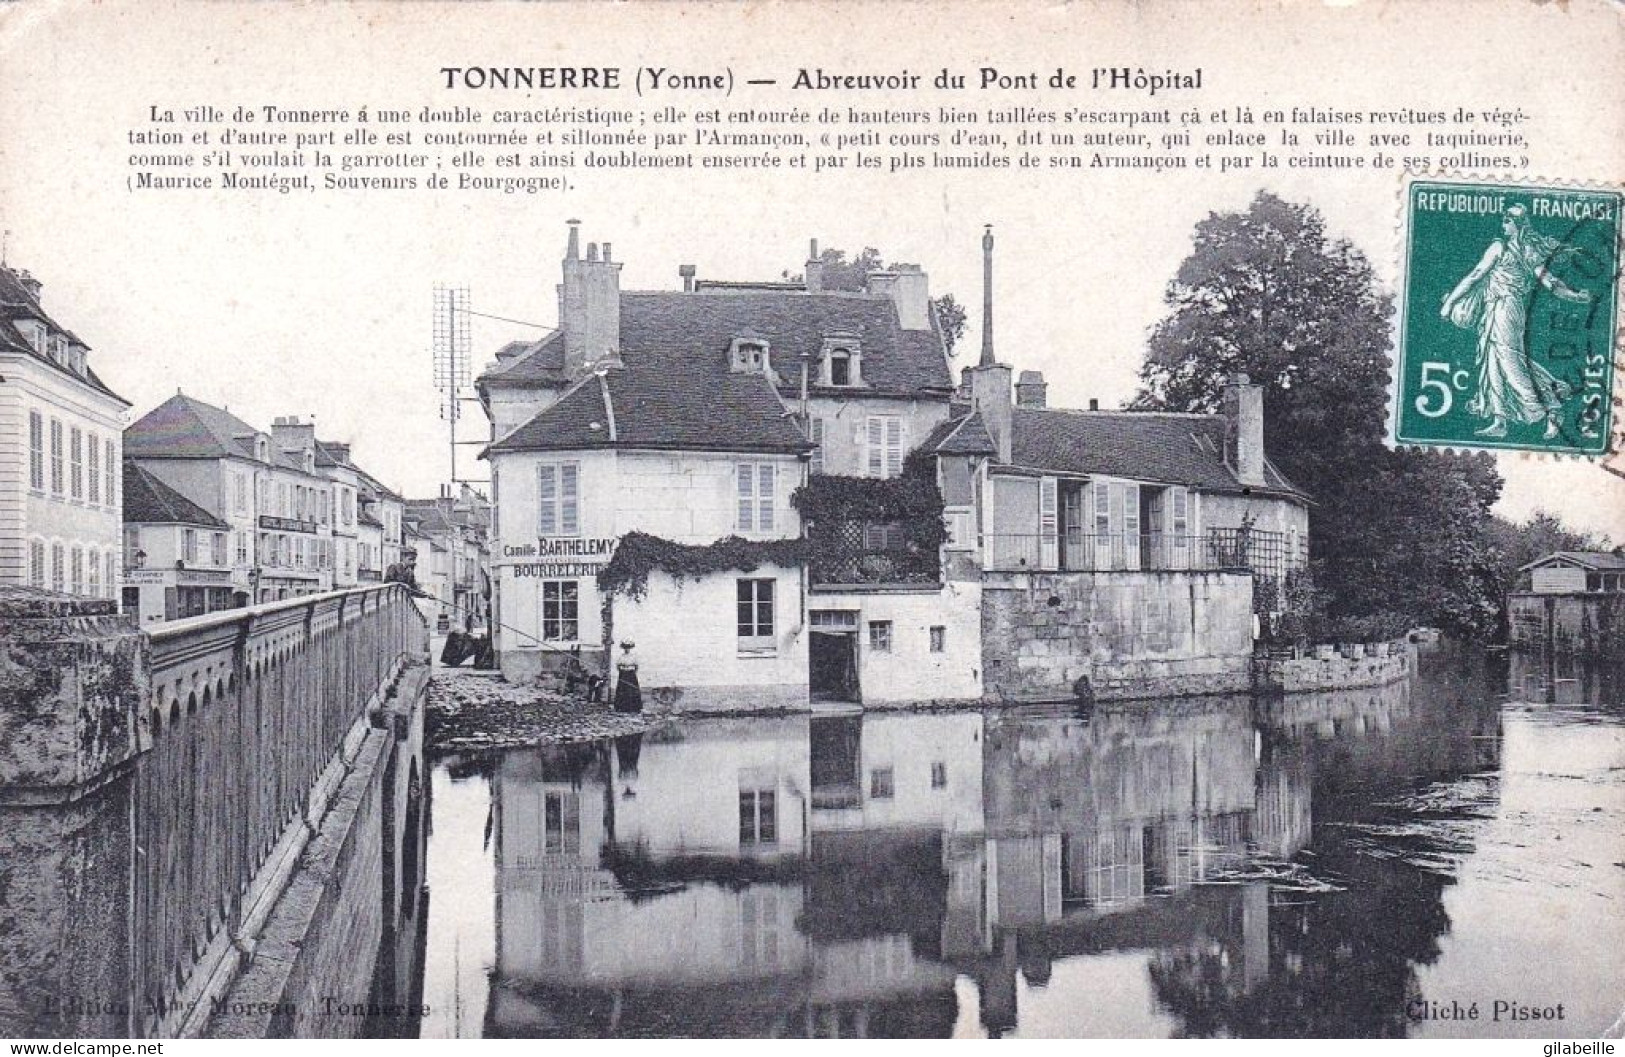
{"points": [[1439, 857]]}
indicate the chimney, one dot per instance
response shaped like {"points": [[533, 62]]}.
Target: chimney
{"points": [[589, 304], [687, 272], [1244, 430], [987, 296], [965, 375], [290, 434], [990, 380], [1031, 389], [909, 289], [1094, 404], [815, 269], [29, 283]]}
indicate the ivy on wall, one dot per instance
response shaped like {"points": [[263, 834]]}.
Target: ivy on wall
{"points": [[911, 500], [639, 553]]}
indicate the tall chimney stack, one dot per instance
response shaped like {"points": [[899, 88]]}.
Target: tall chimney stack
{"points": [[990, 379], [589, 304], [1244, 430], [687, 272], [815, 268], [987, 297]]}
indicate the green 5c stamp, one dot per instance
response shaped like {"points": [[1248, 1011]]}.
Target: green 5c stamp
{"points": [[1508, 317]]}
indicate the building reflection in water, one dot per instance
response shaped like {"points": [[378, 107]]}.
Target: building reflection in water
{"points": [[866, 875]]}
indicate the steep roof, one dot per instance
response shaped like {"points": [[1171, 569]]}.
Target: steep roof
{"points": [[149, 501], [667, 401], [1596, 561], [183, 427], [965, 434], [1163, 447], [703, 325], [16, 301], [538, 364]]}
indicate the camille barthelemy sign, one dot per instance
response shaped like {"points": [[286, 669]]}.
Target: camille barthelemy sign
{"points": [[559, 556], [1509, 314]]}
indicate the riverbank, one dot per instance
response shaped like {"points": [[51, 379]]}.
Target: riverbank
{"points": [[470, 710]]}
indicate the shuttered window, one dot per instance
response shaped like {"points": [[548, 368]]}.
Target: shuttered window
{"points": [[883, 442], [76, 464], [36, 452], [109, 470], [57, 470], [94, 474], [559, 513], [757, 485]]}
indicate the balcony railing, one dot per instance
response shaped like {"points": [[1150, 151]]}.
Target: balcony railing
{"points": [[1263, 553]]}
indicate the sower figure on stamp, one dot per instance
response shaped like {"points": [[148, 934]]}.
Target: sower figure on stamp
{"points": [[1493, 300]]}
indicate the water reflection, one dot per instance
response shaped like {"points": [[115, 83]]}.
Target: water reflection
{"points": [[1199, 868]]}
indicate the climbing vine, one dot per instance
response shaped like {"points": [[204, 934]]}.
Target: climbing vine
{"points": [[911, 500], [639, 553]]}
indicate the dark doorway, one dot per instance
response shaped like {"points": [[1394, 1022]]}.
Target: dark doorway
{"points": [[833, 658]]}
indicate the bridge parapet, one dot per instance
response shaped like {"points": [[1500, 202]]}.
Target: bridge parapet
{"points": [[220, 738]]}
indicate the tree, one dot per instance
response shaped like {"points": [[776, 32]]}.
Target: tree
{"points": [[1397, 537], [852, 275], [1515, 545]]}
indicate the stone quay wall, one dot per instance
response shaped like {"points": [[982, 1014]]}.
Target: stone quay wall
{"points": [[1339, 671], [1131, 634]]}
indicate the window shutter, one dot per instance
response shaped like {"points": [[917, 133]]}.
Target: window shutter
{"points": [[894, 447], [766, 479], [547, 515], [569, 499], [1047, 522], [746, 479], [815, 433], [875, 455]]}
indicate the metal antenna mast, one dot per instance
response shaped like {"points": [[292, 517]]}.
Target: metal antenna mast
{"points": [[451, 357]]}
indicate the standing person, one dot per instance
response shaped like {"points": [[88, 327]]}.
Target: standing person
{"points": [[628, 694], [1493, 299]]}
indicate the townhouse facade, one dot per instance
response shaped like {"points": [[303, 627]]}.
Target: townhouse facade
{"points": [[292, 505], [777, 493], [177, 555], [61, 447]]}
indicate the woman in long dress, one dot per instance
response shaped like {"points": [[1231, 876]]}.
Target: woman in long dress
{"points": [[1493, 299]]}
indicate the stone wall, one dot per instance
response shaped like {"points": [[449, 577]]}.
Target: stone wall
{"points": [[1133, 634], [1338, 672]]}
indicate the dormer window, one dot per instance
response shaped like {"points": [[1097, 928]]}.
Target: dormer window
{"points": [[262, 449], [748, 354], [841, 362]]}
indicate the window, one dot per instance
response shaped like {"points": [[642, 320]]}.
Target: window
{"points": [[939, 638], [347, 504], [840, 367], [56, 457], [562, 819], [883, 536], [217, 549], [758, 817], [76, 584], [189, 545], [93, 473], [559, 489], [757, 485], [880, 636], [76, 463], [59, 568], [242, 547], [36, 452], [110, 563], [109, 472], [884, 436], [756, 614], [132, 543], [93, 566], [239, 493], [1179, 501], [939, 775], [36, 563], [815, 434], [881, 784], [561, 610]]}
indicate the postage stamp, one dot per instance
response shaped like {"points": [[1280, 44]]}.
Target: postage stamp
{"points": [[1508, 316]]}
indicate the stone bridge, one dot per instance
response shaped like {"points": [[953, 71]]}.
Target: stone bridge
{"points": [[213, 827]]}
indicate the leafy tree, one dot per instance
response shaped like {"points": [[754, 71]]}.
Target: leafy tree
{"points": [[852, 275], [1396, 536], [1515, 545]]}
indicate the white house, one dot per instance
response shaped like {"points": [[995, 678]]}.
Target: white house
{"points": [[61, 432]]}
